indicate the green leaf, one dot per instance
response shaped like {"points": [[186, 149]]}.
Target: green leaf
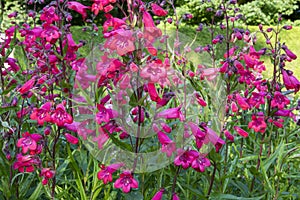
{"points": [[232, 197]]}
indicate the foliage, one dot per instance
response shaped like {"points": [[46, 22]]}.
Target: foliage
{"points": [[254, 12]]}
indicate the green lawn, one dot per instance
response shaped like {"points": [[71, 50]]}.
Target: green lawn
{"points": [[187, 34]]}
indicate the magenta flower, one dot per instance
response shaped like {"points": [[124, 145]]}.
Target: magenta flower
{"points": [[290, 81], [154, 71], [50, 33], [240, 131], [71, 139], [26, 163], [121, 40], [105, 174], [78, 7], [258, 123], [171, 113], [28, 142], [151, 32], [42, 114], [126, 182], [159, 194], [158, 11], [228, 135], [48, 15], [27, 86], [242, 102], [200, 163], [175, 196], [185, 158], [289, 53], [257, 99], [153, 92], [47, 174], [279, 100], [60, 116], [168, 146]]}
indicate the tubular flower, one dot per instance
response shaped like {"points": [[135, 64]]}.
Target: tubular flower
{"points": [[126, 182], [105, 174]]}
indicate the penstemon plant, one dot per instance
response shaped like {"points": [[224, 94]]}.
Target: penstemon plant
{"points": [[136, 117]]}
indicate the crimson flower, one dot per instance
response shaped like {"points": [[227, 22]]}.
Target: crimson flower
{"points": [[121, 40], [242, 102], [28, 142], [258, 123], [105, 174], [78, 7], [60, 116], [50, 33], [26, 163], [185, 158], [47, 174], [200, 163], [279, 100], [71, 139], [49, 15], [151, 32], [240, 131], [168, 146], [27, 86], [126, 182], [175, 196], [154, 71], [42, 114], [171, 113], [153, 92], [290, 81], [158, 11], [159, 194]]}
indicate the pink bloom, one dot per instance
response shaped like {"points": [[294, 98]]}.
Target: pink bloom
{"points": [[49, 15], [228, 135], [242, 102], [158, 11], [166, 127], [104, 114], [200, 101], [126, 182], [78, 7], [168, 146], [71, 139], [28, 142], [240, 131], [60, 116], [258, 124], [234, 107], [175, 197], [27, 86], [279, 100], [290, 81], [285, 113], [200, 163], [171, 113], [151, 32], [185, 158], [159, 194], [42, 114], [101, 139], [47, 174], [26, 163], [257, 99], [153, 92], [154, 71], [50, 33], [105, 174], [122, 41], [289, 53]]}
